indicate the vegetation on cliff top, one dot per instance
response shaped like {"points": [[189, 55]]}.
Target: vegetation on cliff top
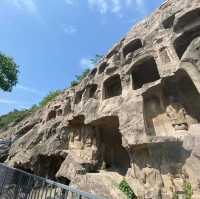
{"points": [[51, 96], [79, 78], [9, 69], [17, 116], [13, 118]]}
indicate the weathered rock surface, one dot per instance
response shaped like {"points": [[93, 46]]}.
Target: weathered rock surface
{"points": [[4, 149], [135, 116]]}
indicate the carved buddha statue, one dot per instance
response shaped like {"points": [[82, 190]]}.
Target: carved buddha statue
{"points": [[177, 114]]}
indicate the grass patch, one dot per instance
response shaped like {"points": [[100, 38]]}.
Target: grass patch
{"points": [[126, 189], [16, 116], [13, 118]]}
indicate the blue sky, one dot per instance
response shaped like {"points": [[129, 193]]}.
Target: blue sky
{"points": [[53, 40]]}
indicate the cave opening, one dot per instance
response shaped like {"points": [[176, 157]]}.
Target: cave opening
{"points": [[145, 71], [189, 19], [102, 67], [168, 22], [47, 166], [78, 96], [189, 94], [183, 41], [114, 155], [93, 72], [91, 90], [51, 115], [112, 87], [132, 46]]}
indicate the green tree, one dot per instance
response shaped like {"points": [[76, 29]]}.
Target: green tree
{"points": [[8, 72], [96, 59]]}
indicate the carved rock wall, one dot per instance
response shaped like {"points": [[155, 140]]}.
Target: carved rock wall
{"points": [[136, 115]]}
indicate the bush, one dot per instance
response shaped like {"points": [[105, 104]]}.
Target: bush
{"points": [[126, 189], [13, 117], [96, 59], [79, 78], [51, 96], [17, 116], [187, 191], [187, 187]]}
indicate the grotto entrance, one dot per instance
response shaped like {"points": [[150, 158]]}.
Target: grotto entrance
{"points": [[145, 71], [172, 106], [189, 96], [48, 166], [113, 154], [112, 87]]}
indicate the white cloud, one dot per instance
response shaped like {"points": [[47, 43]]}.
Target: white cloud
{"points": [[140, 3], [112, 6], [12, 102], [70, 30], [27, 5], [116, 6], [69, 2], [128, 2], [141, 6], [101, 5], [86, 63], [30, 90]]}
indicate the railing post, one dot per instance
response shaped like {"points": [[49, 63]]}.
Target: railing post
{"points": [[17, 188], [4, 179], [27, 189], [43, 189]]}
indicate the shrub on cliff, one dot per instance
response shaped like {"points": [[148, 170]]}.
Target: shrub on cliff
{"points": [[51, 96], [79, 78], [17, 116], [126, 189], [13, 117]]}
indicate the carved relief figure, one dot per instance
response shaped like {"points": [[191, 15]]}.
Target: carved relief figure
{"points": [[90, 148], [75, 140], [83, 143], [164, 56], [177, 114]]}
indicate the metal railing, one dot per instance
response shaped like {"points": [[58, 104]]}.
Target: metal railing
{"points": [[5, 142], [17, 184]]}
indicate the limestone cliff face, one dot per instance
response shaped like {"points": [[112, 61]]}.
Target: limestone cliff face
{"points": [[136, 115]]}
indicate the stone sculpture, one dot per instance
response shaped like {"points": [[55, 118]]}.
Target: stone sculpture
{"points": [[177, 115]]}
